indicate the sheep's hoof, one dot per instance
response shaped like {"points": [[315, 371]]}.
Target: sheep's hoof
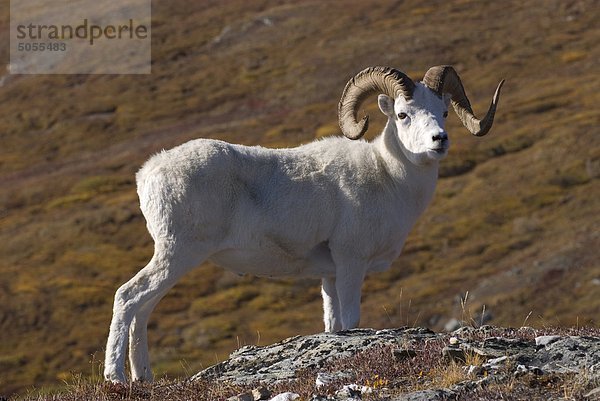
{"points": [[115, 377]]}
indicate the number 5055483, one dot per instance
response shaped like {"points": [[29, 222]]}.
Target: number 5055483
{"points": [[40, 46]]}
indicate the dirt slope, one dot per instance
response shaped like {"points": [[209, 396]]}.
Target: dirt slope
{"points": [[514, 222]]}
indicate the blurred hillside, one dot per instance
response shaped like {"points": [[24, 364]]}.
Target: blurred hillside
{"points": [[514, 221]]}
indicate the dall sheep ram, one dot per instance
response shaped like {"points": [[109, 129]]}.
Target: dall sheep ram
{"points": [[335, 209]]}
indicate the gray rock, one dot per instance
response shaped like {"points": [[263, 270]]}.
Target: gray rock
{"points": [[241, 397], [281, 361], [593, 394], [454, 353], [523, 370], [428, 395], [326, 378], [285, 397], [566, 355], [496, 347], [496, 363], [261, 393], [545, 340], [317, 397], [507, 357], [349, 393]]}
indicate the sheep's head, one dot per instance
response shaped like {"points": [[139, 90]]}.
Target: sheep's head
{"points": [[417, 110]]}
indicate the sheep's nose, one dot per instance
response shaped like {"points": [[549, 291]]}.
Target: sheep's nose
{"points": [[442, 136]]}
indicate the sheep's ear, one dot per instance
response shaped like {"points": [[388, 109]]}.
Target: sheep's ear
{"points": [[386, 105]]}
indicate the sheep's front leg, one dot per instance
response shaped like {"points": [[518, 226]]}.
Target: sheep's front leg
{"points": [[331, 305], [348, 282]]}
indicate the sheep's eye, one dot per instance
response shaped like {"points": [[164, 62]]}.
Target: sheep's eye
{"points": [[402, 116], [445, 114]]}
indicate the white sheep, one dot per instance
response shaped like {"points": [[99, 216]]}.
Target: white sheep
{"points": [[334, 208]]}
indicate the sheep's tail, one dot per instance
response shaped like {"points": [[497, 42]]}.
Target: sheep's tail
{"points": [[156, 200]]}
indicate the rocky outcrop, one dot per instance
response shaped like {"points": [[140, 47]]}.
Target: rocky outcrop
{"points": [[281, 361], [502, 354]]}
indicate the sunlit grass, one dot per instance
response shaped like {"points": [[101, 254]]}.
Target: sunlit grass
{"points": [[518, 203]]}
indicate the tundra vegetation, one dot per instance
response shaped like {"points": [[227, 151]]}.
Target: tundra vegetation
{"points": [[514, 220], [484, 364]]}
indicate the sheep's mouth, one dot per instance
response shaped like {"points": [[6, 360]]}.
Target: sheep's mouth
{"points": [[441, 150]]}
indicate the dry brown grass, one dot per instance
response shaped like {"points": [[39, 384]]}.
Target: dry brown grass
{"points": [[378, 368], [513, 221]]}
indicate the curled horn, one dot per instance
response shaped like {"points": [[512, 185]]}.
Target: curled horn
{"points": [[444, 79], [370, 80]]}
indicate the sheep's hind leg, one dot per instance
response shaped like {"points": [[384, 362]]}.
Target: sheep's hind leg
{"points": [[139, 358], [136, 299], [331, 305]]}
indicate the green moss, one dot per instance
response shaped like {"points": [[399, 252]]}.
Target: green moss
{"points": [[224, 301], [101, 184], [12, 361], [69, 200]]}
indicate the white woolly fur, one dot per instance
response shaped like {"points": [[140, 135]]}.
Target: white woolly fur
{"points": [[336, 209]]}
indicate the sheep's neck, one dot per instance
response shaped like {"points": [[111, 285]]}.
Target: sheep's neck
{"points": [[398, 165]]}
